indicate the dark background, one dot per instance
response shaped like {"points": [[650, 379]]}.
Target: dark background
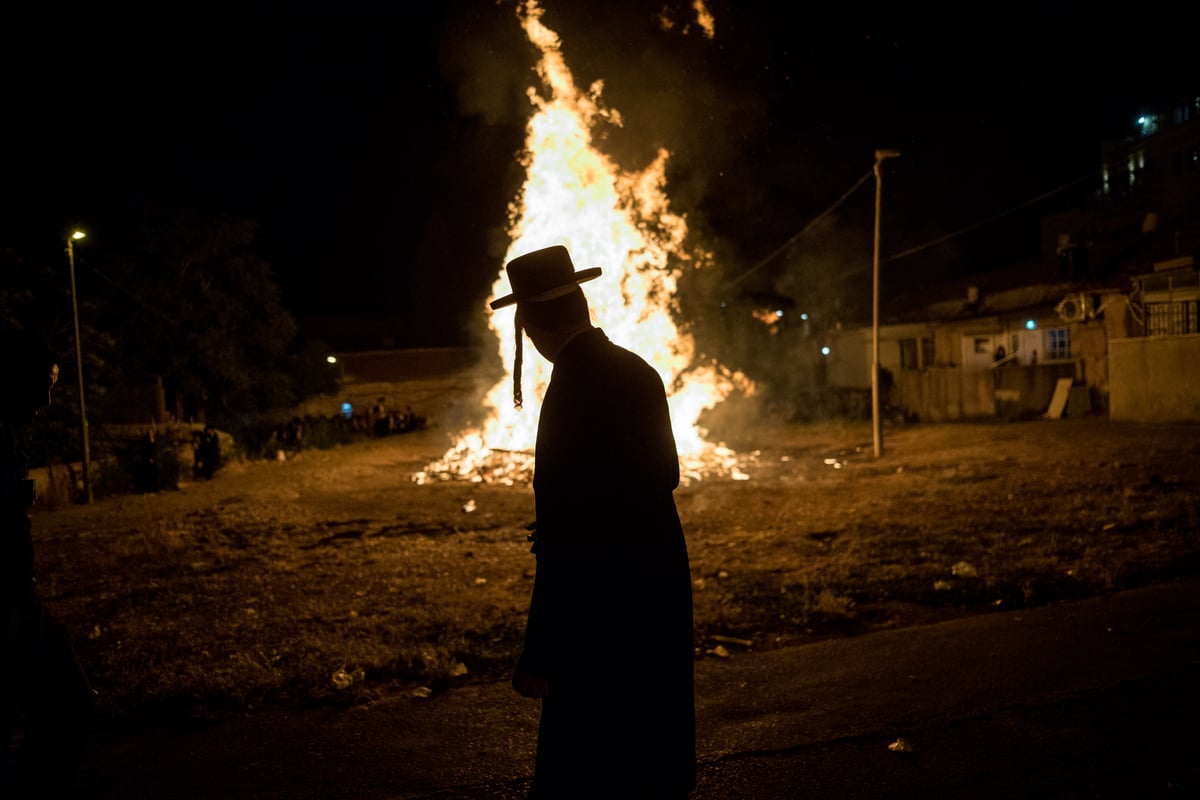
{"points": [[377, 148]]}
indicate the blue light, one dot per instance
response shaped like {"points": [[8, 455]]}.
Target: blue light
{"points": [[1030, 325], [804, 316], [347, 410], [779, 312], [825, 350]]}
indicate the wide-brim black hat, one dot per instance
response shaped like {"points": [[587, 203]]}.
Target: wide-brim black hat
{"points": [[543, 275]]}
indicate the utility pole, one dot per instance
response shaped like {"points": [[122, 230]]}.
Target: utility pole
{"points": [[876, 421], [83, 422]]}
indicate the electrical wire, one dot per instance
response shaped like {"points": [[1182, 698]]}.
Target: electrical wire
{"points": [[912, 250], [137, 301], [985, 221], [770, 257]]}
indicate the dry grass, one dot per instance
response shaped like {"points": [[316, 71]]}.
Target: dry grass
{"points": [[334, 578]]}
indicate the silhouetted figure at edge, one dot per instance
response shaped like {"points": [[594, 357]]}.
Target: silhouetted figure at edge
{"points": [[609, 641], [46, 701]]}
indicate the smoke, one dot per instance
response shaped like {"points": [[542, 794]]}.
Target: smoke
{"points": [[771, 111], [663, 67], [485, 56]]}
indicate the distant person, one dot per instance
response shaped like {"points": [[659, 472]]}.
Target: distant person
{"points": [[999, 356], [147, 462], [46, 701], [206, 448], [411, 421], [292, 436], [887, 388], [381, 424], [609, 639]]}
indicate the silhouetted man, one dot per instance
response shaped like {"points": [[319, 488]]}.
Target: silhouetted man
{"points": [[608, 642], [45, 698]]}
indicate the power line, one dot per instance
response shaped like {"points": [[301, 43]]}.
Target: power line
{"points": [[912, 250], [982, 222], [137, 301], [789, 242]]}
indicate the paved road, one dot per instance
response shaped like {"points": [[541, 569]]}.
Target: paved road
{"points": [[1091, 699]]}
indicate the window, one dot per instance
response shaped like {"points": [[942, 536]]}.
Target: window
{"points": [[1166, 319], [916, 353], [1058, 344]]}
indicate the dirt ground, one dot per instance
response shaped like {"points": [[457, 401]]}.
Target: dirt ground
{"points": [[286, 580], [368, 477]]}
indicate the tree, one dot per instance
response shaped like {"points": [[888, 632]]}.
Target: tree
{"points": [[200, 308], [37, 297]]}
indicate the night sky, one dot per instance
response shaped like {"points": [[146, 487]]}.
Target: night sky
{"points": [[377, 149]]}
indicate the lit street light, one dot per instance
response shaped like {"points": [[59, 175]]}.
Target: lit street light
{"points": [[83, 423], [876, 422]]}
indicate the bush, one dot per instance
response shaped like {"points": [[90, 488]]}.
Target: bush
{"points": [[148, 464], [259, 439]]}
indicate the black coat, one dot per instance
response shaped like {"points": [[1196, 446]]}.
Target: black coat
{"points": [[610, 622]]}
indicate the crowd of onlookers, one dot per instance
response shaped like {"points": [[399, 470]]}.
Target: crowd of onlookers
{"points": [[153, 465], [299, 432], [379, 421]]}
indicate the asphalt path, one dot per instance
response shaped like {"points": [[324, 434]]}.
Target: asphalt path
{"points": [[1089, 699]]}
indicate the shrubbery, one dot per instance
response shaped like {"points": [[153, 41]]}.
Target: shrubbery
{"points": [[258, 438], [151, 463]]}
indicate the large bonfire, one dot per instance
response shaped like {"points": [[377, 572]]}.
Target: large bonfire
{"points": [[616, 219]]}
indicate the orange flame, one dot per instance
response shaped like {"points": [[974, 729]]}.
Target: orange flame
{"points": [[768, 317], [616, 219]]}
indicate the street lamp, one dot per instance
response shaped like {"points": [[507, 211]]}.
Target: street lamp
{"points": [[876, 422], [83, 423]]}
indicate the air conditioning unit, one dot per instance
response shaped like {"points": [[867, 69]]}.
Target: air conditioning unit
{"points": [[1074, 308]]}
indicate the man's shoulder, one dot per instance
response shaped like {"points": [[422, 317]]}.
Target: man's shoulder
{"points": [[627, 367], [620, 353]]}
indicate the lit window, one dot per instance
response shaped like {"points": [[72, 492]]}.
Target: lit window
{"points": [[1059, 344]]}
